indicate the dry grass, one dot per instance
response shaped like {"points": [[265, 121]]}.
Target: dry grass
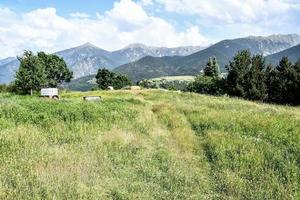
{"points": [[147, 144]]}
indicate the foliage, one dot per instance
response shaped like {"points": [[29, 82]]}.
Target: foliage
{"points": [[284, 82], [121, 81], [7, 88], [212, 68], [169, 83], [255, 87], [210, 81], [31, 74], [246, 76], [106, 78], [56, 69], [150, 145], [207, 85], [41, 70]]}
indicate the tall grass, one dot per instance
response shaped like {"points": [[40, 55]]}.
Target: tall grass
{"points": [[147, 145]]}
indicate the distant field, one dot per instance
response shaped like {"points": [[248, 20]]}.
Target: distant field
{"points": [[86, 83], [174, 78], [147, 145]]}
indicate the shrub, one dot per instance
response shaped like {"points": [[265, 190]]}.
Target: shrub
{"points": [[207, 85]]}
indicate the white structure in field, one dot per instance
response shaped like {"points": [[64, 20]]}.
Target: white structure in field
{"points": [[49, 92], [92, 98]]}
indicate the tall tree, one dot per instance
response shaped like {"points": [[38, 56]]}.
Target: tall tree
{"points": [[56, 69], [255, 87], [31, 74], [212, 68], [237, 69], [280, 79]]}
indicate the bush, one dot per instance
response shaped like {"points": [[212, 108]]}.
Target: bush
{"points": [[106, 78], [207, 85], [163, 83], [8, 88]]}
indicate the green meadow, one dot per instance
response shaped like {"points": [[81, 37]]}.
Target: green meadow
{"points": [[147, 144]]}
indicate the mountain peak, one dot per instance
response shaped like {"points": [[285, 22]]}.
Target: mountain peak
{"points": [[88, 44], [135, 45]]}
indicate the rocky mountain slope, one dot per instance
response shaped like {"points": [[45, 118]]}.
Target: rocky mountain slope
{"points": [[292, 53], [87, 59], [150, 67]]}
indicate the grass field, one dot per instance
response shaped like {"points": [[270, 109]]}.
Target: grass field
{"points": [[147, 145]]}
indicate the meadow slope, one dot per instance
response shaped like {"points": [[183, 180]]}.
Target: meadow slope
{"points": [[147, 145]]}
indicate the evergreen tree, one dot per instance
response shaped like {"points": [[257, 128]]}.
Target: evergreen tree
{"points": [[56, 69], [31, 74], [212, 68], [237, 69], [283, 82], [254, 86]]}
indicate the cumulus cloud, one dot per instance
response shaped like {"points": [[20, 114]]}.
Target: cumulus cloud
{"points": [[79, 15], [127, 22], [234, 11], [221, 19]]}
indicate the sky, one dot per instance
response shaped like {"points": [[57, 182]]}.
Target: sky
{"points": [[53, 25]]}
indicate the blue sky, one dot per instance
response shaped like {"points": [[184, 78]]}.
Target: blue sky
{"points": [[52, 25], [63, 7]]}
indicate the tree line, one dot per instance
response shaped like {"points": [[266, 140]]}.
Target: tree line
{"points": [[248, 76], [43, 70]]}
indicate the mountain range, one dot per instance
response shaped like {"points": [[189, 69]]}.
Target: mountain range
{"points": [[151, 67], [88, 58], [139, 61]]}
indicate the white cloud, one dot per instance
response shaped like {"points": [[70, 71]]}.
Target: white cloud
{"points": [[232, 11], [127, 22], [79, 15]]}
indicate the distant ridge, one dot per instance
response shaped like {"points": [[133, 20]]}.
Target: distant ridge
{"points": [[292, 53], [87, 58], [140, 61], [151, 67]]}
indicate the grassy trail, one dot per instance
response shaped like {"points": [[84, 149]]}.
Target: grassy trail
{"points": [[147, 145]]}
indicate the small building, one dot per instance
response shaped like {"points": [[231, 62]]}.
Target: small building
{"points": [[51, 93]]}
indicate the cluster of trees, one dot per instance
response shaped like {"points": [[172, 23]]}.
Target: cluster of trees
{"points": [[251, 78], [41, 70], [210, 81], [106, 78], [181, 85]]}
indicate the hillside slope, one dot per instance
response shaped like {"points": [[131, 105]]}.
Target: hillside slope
{"points": [[151, 67], [292, 53], [86, 59], [147, 145]]}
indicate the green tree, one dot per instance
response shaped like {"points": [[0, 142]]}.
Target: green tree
{"points": [[56, 69], [237, 69], [255, 87], [284, 82], [207, 85], [121, 81], [212, 68], [31, 74], [104, 78]]}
